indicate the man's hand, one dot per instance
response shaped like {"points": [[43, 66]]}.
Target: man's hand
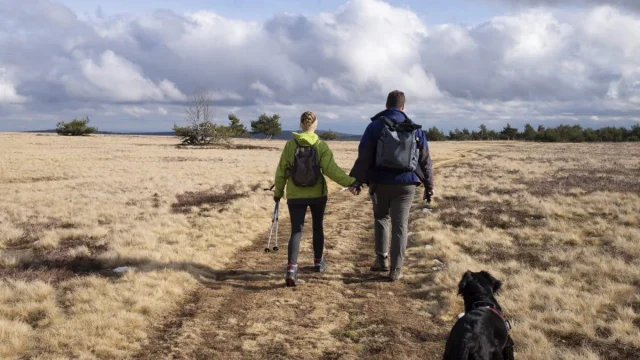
{"points": [[276, 199], [355, 188], [428, 195]]}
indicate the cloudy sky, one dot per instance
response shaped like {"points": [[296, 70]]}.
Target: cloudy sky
{"points": [[460, 62]]}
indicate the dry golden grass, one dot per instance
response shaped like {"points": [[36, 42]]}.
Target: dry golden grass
{"points": [[75, 208], [558, 224]]}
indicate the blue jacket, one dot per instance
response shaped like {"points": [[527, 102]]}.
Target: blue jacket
{"points": [[364, 169]]}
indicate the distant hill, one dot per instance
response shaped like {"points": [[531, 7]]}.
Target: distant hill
{"points": [[286, 135], [160, 133]]}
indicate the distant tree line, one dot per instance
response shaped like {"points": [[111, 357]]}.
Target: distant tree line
{"points": [[561, 133]]}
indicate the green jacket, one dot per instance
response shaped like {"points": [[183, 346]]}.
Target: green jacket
{"points": [[327, 164]]}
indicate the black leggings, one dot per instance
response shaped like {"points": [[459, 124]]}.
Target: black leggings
{"points": [[297, 213]]}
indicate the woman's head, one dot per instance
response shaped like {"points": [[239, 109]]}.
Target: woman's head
{"points": [[308, 122]]}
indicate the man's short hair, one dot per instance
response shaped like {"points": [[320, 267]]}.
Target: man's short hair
{"points": [[395, 99]]}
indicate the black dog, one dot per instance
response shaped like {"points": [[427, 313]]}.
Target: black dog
{"points": [[483, 332]]}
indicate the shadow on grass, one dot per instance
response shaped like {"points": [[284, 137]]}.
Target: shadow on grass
{"points": [[57, 270]]}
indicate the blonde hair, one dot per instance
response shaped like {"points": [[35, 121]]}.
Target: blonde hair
{"points": [[308, 122]]}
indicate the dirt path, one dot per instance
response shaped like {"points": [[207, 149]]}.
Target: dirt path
{"points": [[245, 312]]}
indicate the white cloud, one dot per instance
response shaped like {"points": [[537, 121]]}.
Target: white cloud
{"points": [[533, 64], [331, 87], [117, 79], [262, 89], [8, 92], [136, 111]]}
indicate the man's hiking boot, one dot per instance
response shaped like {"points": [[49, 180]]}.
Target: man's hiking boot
{"points": [[292, 275], [395, 274], [320, 265], [381, 264]]}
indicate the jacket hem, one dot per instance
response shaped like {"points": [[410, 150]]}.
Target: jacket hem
{"points": [[308, 201]]}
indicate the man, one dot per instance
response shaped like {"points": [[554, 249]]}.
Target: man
{"points": [[392, 187]]}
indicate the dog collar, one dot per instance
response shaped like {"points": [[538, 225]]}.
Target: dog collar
{"points": [[492, 307]]}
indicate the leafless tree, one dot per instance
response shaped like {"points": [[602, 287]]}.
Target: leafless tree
{"points": [[200, 129], [199, 115]]}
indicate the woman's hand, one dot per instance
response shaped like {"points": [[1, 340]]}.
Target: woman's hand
{"points": [[355, 188]]}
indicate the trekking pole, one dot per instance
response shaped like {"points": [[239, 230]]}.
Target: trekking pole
{"points": [[276, 248], [274, 221]]}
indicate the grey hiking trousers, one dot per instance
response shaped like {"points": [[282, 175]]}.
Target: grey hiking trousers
{"points": [[392, 202]]}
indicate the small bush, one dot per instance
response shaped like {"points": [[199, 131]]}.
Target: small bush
{"points": [[202, 134], [75, 128], [329, 135]]}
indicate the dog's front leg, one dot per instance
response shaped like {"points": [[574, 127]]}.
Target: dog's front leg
{"points": [[507, 352]]}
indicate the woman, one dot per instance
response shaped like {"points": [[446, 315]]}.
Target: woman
{"points": [[304, 162]]}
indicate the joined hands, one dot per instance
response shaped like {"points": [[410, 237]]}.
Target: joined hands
{"points": [[356, 188]]}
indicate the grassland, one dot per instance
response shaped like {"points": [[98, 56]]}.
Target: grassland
{"points": [[559, 224]]}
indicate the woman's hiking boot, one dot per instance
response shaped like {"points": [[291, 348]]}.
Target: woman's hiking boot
{"points": [[320, 265], [292, 275], [381, 263], [395, 274]]}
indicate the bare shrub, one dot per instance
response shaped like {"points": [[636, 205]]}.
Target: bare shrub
{"points": [[200, 129], [199, 198]]}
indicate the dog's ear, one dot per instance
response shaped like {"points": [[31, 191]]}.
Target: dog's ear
{"points": [[468, 276], [496, 284]]}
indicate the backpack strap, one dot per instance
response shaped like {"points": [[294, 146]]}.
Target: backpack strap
{"points": [[389, 123], [407, 124]]}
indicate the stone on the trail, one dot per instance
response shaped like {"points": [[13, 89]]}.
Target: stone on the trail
{"points": [[427, 210], [121, 269], [427, 247]]}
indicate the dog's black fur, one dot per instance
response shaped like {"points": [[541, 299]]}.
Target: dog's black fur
{"points": [[481, 334]]}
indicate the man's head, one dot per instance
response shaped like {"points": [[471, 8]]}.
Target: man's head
{"points": [[396, 100]]}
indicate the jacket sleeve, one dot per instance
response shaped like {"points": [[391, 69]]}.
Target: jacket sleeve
{"points": [[425, 164], [366, 157], [282, 172], [331, 169]]}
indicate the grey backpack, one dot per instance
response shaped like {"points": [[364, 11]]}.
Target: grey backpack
{"points": [[305, 170], [397, 148]]}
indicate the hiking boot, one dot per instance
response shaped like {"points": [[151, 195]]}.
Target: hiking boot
{"points": [[292, 275], [395, 274], [320, 265], [381, 264]]}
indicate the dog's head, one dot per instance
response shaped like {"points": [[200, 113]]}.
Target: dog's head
{"points": [[481, 283]]}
